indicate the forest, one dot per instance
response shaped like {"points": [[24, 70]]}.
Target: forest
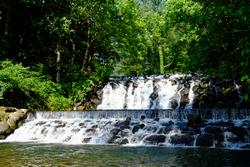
{"points": [[54, 52]]}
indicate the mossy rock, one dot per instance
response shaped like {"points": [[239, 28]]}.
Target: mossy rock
{"points": [[7, 109], [227, 91], [3, 116], [203, 85], [4, 128]]}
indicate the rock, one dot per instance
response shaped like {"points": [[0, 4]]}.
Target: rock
{"points": [[115, 131], [112, 139], [194, 120], [181, 125], [125, 132], [212, 129], [216, 132], [121, 141], [4, 127], [40, 123], [86, 140], [167, 123], [240, 132], [123, 123], [205, 140], [247, 146], [60, 125], [182, 139], [155, 139], [174, 103], [15, 117], [90, 130], [137, 127], [143, 117], [157, 119], [149, 128], [10, 109], [82, 125], [94, 126], [167, 129], [154, 95], [222, 124], [124, 127]]}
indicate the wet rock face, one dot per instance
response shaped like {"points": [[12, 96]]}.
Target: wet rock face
{"points": [[211, 93], [10, 119]]}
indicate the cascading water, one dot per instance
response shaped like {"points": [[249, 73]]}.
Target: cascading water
{"points": [[157, 92], [142, 111], [134, 127]]}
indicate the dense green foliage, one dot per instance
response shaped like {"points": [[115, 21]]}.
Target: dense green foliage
{"points": [[77, 44]]}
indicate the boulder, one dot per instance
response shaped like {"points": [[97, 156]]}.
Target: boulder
{"points": [[216, 132], [205, 140], [10, 119], [4, 127], [137, 127], [155, 139], [186, 139]]}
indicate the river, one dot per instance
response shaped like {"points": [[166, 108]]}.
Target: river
{"points": [[33, 154]]}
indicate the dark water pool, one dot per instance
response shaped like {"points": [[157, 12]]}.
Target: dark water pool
{"points": [[30, 154]]}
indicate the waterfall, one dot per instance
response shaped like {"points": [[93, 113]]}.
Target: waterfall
{"points": [[155, 92], [143, 111], [189, 106]]}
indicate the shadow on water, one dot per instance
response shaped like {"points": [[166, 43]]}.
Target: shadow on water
{"points": [[31, 154]]}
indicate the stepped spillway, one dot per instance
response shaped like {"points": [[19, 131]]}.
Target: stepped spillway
{"points": [[135, 127]]}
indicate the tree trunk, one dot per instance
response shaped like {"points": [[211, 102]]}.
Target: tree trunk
{"points": [[161, 58], [58, 63], [73, 52], [87, 51]]}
